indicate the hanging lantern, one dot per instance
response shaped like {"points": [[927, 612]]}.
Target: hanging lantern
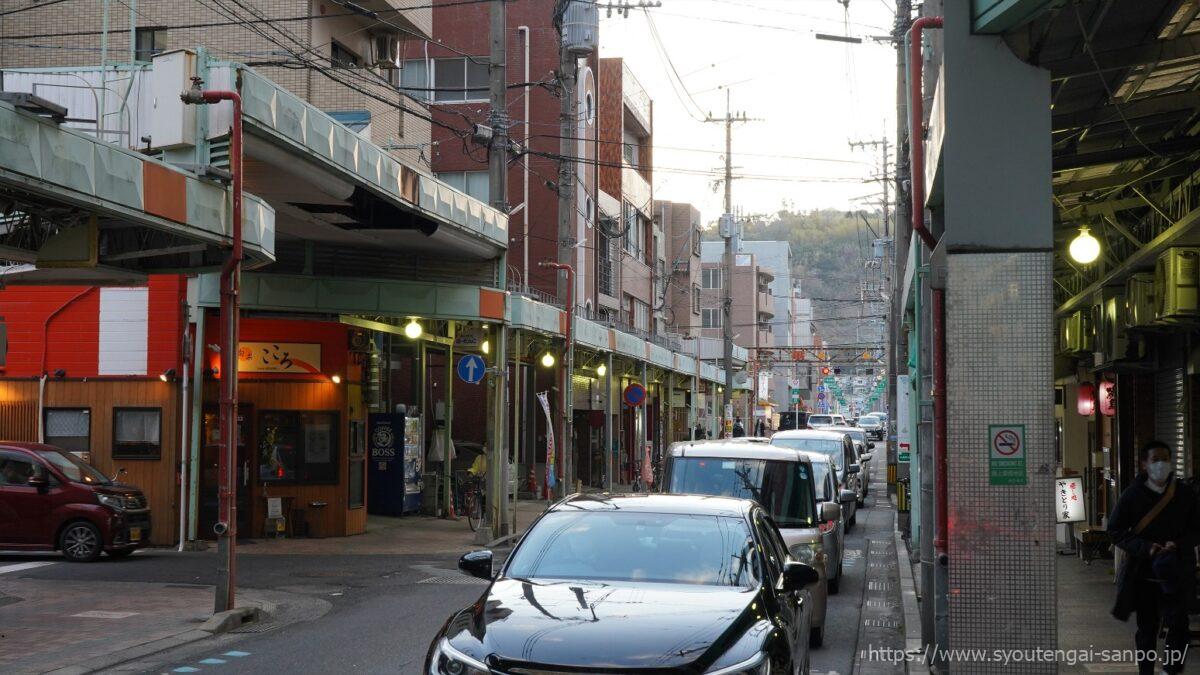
{"points": [[1108, 399], [1085, 403]]}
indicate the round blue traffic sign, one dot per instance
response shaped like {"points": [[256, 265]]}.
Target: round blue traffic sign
{"points": [[634, 395], [471, 368], [821, 396]]}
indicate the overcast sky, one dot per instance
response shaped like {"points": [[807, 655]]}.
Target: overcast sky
{"points": [[813, 97]]}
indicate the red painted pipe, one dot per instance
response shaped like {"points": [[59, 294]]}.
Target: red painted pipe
{"points": [[940, 493], [230, 284], [916, 143], [916, 127]]}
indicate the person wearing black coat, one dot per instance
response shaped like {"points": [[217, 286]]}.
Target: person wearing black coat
{"points": [[739, 429], [1158, 574]]}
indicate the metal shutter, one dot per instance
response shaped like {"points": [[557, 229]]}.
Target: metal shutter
{"points": [[1169, 408]]}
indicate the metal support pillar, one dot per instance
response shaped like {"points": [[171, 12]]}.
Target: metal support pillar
{"points": [[609, 445], [447, 435], [498, 461]]}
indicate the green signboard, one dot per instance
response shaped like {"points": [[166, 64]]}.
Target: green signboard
{"points": [[1006, 454]]}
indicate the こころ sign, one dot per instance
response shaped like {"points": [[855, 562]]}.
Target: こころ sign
{"points": [[279, 357]]}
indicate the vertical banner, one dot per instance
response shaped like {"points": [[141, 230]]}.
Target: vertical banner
{"points": [[544, 398], [903, 421]]}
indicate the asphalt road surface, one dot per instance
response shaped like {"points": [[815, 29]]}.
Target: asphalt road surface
{"points": [[383, 610]]}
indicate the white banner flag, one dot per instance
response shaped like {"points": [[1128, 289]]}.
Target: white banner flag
{"points": [[544, 398]]}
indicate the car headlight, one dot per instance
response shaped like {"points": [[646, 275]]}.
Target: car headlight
{"points": [[760, 664], [809, 554], [111, 501], [449, 661]]}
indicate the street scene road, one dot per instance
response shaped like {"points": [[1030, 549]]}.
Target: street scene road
{"points": [[370, 613]]}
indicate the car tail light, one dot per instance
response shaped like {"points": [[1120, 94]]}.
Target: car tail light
{"points": [[827, 526]]}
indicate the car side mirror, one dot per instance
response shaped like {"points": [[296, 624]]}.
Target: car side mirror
{"points": [[847, 496], [866, 456], [831, 511], [477, 564], [853, 469], [871, 445], [797, 576]]}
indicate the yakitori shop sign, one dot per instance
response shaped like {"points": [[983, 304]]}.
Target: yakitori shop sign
{"points": [[279, 357]]}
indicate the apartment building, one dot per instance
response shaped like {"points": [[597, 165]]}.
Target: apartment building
{"points": [[681, 283], [340, 61]]}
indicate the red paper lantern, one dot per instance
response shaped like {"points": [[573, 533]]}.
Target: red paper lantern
{"points": [[1085, 402], [1108, 398]]}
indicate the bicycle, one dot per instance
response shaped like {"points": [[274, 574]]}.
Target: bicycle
{"points": [[471, 499]]}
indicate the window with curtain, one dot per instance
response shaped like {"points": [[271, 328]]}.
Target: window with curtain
{"points": [[69, 428], [137, 433]]}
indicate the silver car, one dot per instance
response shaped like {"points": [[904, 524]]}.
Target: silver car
{"points": [[863, 448], [833, 531], [779, 479], [840, 449]]}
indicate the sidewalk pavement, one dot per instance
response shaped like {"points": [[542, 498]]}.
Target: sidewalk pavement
{"points": [[69, 627], [408, 535]]}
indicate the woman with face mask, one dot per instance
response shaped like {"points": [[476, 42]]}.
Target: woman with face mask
{"points": [[1155, 524]]}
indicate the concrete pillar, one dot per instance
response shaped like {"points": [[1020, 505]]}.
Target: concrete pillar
{"points": [[995, 262]]}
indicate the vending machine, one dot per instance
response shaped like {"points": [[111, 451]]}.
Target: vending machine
{"points": [[396, 462]]}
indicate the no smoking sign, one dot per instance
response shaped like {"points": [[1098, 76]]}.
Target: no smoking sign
{"points": [[1006, 455]]}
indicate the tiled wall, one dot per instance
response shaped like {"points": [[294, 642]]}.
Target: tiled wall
{"points": [[999, 346]]}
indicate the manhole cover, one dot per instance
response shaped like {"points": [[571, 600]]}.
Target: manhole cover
{"points": [[465, 581]]}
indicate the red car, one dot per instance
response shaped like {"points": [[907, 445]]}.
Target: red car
{"points": [[52, 500]]}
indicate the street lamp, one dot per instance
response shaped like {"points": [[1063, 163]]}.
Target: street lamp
{"points": [[1084, 248], [413, 329], [548, 360], [601, 370]]}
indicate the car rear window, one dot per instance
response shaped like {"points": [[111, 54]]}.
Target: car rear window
{"points": [[820, 419], [785, 489]]}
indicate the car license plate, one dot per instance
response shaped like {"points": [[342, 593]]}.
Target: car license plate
{"points": [[135, 534]]}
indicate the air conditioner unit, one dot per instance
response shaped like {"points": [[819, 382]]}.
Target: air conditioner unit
{"points": [[1177, 285], [387, 51], [1109, 319], [1140, 300], [1075, 333]]}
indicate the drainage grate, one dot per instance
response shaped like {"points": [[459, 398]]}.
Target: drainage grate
{"points": [[881, 604], [456, 581], [879, 586], [256, 627], [881, 623]]}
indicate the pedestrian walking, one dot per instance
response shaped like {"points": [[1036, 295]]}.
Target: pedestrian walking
{"points": [[1154, 524], [739, 430]]}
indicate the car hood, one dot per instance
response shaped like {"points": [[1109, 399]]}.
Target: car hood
{"points": [[800, 535], [599, 625]]}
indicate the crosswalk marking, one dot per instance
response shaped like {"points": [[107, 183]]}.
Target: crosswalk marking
{"points": [[17, 567]]}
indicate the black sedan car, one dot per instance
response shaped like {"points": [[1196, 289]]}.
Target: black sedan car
{"points": [[636, 583]]}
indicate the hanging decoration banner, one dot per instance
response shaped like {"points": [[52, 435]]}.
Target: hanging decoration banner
{"points": [[544, 398]]}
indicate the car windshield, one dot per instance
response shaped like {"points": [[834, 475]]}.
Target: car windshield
{"points": [[73, 468], [826, 446], [784, 488], [645, 547], [820, 419]]}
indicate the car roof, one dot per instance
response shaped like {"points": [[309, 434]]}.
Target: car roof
{"points": [[810, 433], [703, 505], [26, 445], [734, 450], [816, 457]]}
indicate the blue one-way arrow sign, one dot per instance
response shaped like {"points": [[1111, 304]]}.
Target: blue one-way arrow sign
{"points": [[471, 368]]}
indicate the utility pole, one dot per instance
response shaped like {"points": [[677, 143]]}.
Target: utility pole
{"points": [[727, 231], [498, 190], [568, 115]]}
